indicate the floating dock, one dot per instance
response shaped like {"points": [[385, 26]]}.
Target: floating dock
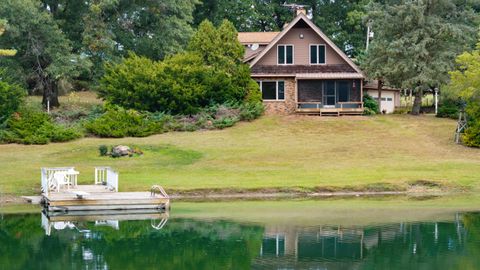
{"points": [[103, 195], [99, 198]]}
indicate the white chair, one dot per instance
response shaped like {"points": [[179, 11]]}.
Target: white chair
{"points": [[60, 179]]}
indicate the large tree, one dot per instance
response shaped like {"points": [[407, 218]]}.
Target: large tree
{"points": [[247, 15], [416, 42], [43, 53], [152, 28], [341, 19], [105, 30]]}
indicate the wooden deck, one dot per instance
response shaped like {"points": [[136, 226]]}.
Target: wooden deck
{"points": [[330, 111], [316, 108], [101, 198]]}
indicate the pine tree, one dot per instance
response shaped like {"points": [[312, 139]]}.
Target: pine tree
{"points": [[416, 43], [44, 54]]}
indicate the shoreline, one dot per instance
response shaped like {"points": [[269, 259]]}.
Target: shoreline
{"points": [[208, 195]]}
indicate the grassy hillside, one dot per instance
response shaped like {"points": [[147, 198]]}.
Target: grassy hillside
{"points": [[272, 152]]}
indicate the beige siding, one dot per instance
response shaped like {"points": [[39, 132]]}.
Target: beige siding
{"points": [[301, 48]]}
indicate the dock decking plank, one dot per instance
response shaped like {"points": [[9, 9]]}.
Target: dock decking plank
{"points": [[100, 198]]}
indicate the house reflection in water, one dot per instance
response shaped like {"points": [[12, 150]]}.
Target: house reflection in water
{"points": [[337, 247]]}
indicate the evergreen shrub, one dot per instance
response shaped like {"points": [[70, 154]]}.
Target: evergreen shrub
{"points": [[370, 105], [29, 126]]}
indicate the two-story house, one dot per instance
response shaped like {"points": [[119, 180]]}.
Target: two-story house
{"points": [[300, 70]]}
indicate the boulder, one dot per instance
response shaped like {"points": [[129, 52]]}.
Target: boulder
{"points": [[121, 150]]}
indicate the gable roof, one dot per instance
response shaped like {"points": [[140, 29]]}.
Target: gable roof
{"points": [[317, 30], [256, 37]]}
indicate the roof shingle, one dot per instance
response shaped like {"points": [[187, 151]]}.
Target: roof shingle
{"points": [[293, 69], [256, 37]]}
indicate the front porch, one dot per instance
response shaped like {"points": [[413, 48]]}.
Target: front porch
{"points": [[341, 108], [329, 97]]}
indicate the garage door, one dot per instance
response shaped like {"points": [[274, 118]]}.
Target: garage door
{"points": [[388, 100]]}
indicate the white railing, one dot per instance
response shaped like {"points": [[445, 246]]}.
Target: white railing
{"points": [[106, 176], [159, 225], [101, 175], [47, 177]]}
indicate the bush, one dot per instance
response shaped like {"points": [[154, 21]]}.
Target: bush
{"points": [[117, 122], [448, 108], [36, 127], [103, 150], [210, 72], [368, 111], [370, 105], [11, 97], [472, 135], [253, 93], [251, 110], [225, 122]]}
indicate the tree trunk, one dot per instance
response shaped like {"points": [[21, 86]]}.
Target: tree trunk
{"points": [[379, 89], [50, 93], [417, 103]]}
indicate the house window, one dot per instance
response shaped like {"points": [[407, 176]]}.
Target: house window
{"points": [[317, 54], [285, 54], [272, 90]]}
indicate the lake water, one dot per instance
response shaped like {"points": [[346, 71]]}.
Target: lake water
{"points": [[218, 237]]}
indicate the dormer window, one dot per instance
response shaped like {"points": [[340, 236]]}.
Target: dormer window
{"points": [[317, 54], [285, 54]]}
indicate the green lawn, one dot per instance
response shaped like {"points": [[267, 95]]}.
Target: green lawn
{"points": [[273, 151]]}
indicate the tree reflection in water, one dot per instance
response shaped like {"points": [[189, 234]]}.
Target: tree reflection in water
{"points": [[221, 244]]}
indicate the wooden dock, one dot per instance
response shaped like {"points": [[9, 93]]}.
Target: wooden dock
{"points": [[99, 197]]}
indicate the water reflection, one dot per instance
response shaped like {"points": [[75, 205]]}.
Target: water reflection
{"points": [[74, 220], [148, 241], [381, 247]]}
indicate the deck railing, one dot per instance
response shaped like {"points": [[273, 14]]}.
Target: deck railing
{"points": [[106, 176], [351, 105], [47, 177], [339, 105], [309, 105]]}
